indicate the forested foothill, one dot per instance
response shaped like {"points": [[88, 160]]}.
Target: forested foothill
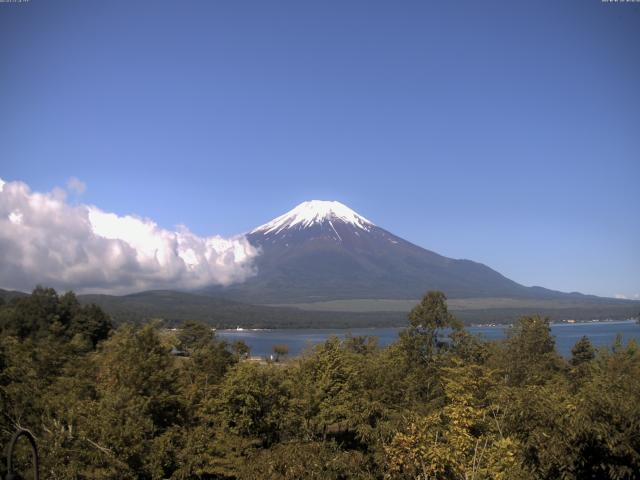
{"points": [[174, 308], [145, 402]]}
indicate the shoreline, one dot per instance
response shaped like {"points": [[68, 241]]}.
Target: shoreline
{"points": [[473, 325]]}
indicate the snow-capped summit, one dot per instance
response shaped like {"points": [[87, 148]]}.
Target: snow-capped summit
{"points": [[325, 251], [315, 212]]}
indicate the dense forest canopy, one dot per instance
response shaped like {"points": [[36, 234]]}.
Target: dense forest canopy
{"points": [[109, 403]]}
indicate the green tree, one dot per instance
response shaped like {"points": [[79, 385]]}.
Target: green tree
{"points": [[90, 322], [136, 403], [530, 355], [203, 371], [280, 350], [254, 400], [582, 352], [334, 395], [604, 429], [192, 335], [421, 343], [45, 314], [462, 440], [31, 315], [427, 322], [306, 460], [240, 348]]}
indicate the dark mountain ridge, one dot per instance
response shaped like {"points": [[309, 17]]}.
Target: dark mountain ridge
{"points": [[174, 307]]}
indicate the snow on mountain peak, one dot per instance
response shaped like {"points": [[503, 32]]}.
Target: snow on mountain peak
{"points": [[312, 212]]}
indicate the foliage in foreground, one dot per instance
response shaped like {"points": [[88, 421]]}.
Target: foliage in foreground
{"points": [[107, 403]]}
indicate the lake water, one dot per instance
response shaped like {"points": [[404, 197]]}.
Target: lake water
{"points": [[261, 342]]}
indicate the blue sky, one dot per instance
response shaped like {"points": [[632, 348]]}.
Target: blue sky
{"points": [[503, 132]]}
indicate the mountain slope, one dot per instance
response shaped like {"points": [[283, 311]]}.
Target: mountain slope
{"points": [[8, 295], [175, 307], [325, 251]]}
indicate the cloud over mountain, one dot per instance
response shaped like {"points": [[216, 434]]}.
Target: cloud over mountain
{"points": [[44, 239]]}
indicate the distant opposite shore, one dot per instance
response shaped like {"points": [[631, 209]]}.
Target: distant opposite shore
{"points": [[602, 333]]}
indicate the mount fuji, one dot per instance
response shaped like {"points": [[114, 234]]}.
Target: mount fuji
{"points": [[322, 265], [323, 250]]}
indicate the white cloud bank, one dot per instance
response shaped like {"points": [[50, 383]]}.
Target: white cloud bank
{"points": [[44, 240]]}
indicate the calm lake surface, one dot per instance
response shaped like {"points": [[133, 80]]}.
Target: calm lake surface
{"points": [[261, 342]]}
